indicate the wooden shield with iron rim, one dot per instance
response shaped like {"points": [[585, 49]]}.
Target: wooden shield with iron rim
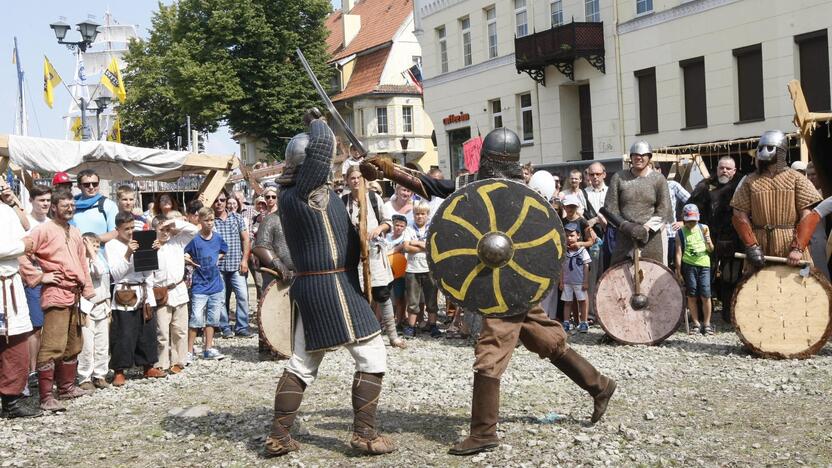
{"points": [[275, 318], [496, 246], [652, 325]]}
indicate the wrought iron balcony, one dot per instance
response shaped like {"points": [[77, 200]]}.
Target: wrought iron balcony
{"points": [[560, 46]]}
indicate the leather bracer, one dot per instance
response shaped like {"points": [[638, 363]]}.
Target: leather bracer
{"points": [[805, 229], [744, 230]]}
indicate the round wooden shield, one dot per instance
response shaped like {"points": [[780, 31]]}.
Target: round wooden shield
{"points": [[777, 313], [274, 317], [496, 246], [651, 325]]}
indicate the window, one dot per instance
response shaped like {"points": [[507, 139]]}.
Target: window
{"points": [[521, 18], [693, 75], [592, 10], [556, 9], [750, 82], [407, 119], [465, 27], [643, 6], [496, 113], [443, 49], [491, 26], [814, 69], [647, 107], [359, 122], [381, 120], [526, 118]]}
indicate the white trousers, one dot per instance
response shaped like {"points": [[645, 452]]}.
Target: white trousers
{"points": [[172, 332], [369, 356], [94, 359]]}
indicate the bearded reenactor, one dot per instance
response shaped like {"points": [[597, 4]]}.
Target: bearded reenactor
{"points": [[499, 158], [770, 203], [713, 197], [640, 196], [332, 310]]}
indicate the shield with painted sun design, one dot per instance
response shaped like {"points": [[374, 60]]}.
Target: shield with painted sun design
{"points": [[496, 247]]}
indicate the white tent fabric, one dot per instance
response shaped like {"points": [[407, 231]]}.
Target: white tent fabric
{"points": [[49, 155]]}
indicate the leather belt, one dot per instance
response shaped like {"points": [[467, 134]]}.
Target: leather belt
{"points": [[320, 272]]}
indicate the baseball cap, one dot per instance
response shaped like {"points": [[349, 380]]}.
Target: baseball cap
{"points": [[690, 212], [799, 166], [399, 217], [571, 199], [61, 178], [571, 227]]}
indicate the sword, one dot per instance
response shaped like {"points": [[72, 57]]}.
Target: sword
{"points": [[330, 106], [362, 189]]}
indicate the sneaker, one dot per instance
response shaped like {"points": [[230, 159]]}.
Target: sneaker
{"points": [[243, 334], [189, 359], [409, 332], [227, 334], [567, 325], [435, 332], [212, 354], [88, 385], [583, 327]]}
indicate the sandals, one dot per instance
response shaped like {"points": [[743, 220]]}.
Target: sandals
{"points": [[695, 327], [708, 330]]}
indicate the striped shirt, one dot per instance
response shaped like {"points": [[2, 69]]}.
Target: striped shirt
{"points": [[231, 229]]}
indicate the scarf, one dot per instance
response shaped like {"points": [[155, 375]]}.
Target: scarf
{"points": [[83, 204]]}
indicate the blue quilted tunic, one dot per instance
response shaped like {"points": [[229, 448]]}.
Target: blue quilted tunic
{"points": [[321, 238]]}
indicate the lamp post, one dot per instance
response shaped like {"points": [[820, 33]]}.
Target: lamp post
{"points": [[101, 103], [89, 31], [404, 142]]}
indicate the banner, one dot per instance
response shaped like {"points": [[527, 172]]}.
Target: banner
{"points": [[471, 154], [111, 79], [50, 80]]}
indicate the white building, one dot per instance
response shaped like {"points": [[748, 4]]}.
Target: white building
{"points": [[372, 47], [669, 71]]}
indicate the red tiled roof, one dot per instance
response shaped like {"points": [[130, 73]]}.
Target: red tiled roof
{"points": [[366, 75], [380, 19]]}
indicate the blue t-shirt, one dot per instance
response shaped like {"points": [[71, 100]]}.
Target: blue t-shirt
{"points": [[205, 253], [92, 219]]}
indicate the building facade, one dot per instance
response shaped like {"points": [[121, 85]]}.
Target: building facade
{"points": [[582, 79], [377, 85]]}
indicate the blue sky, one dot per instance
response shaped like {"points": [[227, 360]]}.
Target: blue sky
{"points": [[29, 21]]}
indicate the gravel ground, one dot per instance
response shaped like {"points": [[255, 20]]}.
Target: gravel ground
{"points": [[691, 401]]}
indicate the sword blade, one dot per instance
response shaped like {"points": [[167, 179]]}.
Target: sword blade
{"points": [[330, 106]]}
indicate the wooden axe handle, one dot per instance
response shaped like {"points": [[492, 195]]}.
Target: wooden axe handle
{"points": [[782, 260]]}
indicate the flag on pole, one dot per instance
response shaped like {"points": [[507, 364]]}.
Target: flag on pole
{"points": [[50, 80], [115, 132], [76, 129], [111, 78]]}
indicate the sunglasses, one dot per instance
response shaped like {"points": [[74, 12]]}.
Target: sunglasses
{"points": [[270, 197], [89, 184], [219, 200], [596, 174]]}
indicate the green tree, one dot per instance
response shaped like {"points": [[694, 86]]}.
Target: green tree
{"points": [[225, 61]]}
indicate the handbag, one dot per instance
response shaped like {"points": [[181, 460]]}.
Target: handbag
{"points": [[161, 295], [126, 296]]}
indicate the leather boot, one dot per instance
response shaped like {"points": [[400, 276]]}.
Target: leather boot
{"points": [[13, 407], [118, 378], [365, 391], [65, 375], [580, 371], [287, 399], [46, 376], [485, 406]]}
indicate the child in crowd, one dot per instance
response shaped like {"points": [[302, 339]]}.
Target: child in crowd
{"points": [[172, 235], [207, 289], [93, 362], [571, 205], [133, 329], [126, 198], [418, 280], [398, 262], [574, 280], [693, 263]]}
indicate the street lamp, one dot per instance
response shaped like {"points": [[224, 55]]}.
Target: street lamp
{"points": [[89, 31], [101, 103], [404, 142]]}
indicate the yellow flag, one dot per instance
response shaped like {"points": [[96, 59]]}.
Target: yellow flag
{"points": [[76, 129], [115, 132], [50, 80], [111, 78]]}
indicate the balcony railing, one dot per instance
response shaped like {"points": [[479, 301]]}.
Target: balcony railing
{"points": [[560, 46]]}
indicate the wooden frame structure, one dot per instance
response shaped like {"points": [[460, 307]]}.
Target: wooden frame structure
{"points": [[217, 170]]}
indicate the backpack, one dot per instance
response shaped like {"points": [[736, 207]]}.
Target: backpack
{"points": [[702, 228], [373, 203]]}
